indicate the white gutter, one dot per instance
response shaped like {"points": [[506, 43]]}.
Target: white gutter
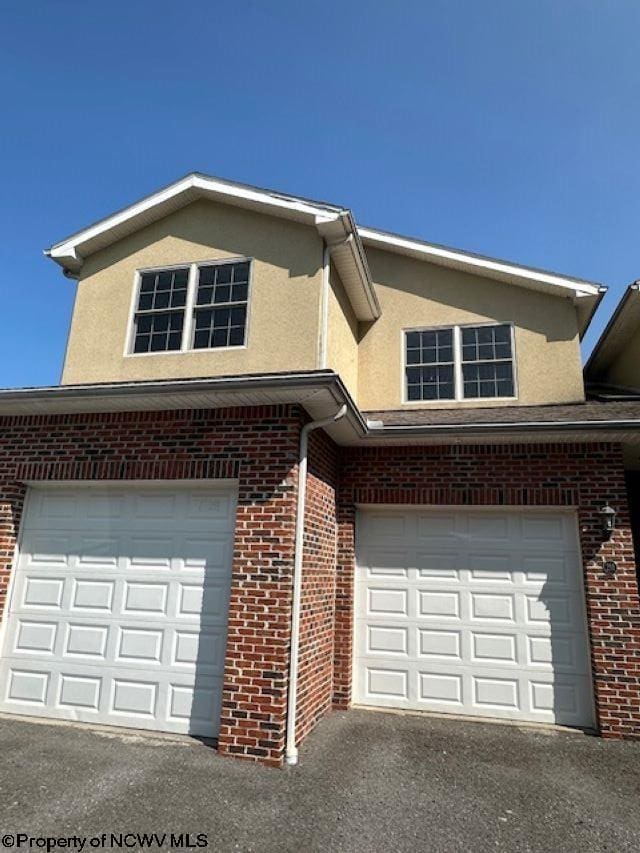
{"points": [[431, 250], [68, 252], [291, 753], [377, 427]]}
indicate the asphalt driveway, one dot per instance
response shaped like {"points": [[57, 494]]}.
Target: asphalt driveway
{"points": [[367, 782]]}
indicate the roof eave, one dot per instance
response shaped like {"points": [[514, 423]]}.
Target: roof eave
{"points": [[320, 393], [304, 208], [347, 253], [71, 252], [611, 340], [586, 306], [506, 428], [487, 267]]}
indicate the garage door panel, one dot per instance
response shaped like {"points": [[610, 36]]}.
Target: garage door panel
{"points": [[27, 686], [558, 652], [46, 550], [126, 625], [42, 592], [79, 692], [386, 525], [544, 528], [492, 606], [148, 598], [33, 637], [567, 697], [494, 648], [438, 604], [145, 598], [199, 510], [486, 625], [392, 564], [495, 693], [437, 528], [85, 640], [438, 565], [387, 602], [116, 696], [387, 640], [139, 645], [134, 698], [488, 568], [440, 688], [93, 552], [558, 609], [435, 643], [89, 594], [193, 706], [388, 682], [551, 570], [483, 528]]}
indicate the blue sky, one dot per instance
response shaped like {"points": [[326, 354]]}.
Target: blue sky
{"points": [[506, 127]]}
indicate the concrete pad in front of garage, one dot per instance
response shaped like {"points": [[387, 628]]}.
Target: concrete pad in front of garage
{"points": [[367, 781]]}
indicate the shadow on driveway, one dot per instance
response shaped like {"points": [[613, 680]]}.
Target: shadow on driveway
{"points": [[367, 781]]}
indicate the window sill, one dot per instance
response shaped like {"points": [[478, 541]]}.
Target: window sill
{"points": [[469, 402], [183, 351]]}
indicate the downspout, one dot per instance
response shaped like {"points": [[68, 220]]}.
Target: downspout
{"points": [[291, 753]]}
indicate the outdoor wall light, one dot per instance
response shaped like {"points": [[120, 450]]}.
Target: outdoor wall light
{"points": [[607, 518]]}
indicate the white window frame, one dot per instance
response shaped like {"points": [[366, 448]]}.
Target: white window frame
{"points": [[188, 330], [458, 383]]}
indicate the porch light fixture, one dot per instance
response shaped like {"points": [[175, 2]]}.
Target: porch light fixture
{"points": [[607, 518]]}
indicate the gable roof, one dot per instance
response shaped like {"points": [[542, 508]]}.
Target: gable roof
{"points": [[622, 326], [335, 224], [586, 295], [321, 393], [337, 227]]}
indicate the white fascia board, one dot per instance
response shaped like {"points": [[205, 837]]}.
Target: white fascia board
{"points": [[332, 223], [68, 249], [378, 427], [360, 260], [475, 262], [342, 239]]}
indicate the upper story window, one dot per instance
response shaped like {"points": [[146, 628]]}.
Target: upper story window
{"points": [[459, 363], [221, 306], [199, 306]]}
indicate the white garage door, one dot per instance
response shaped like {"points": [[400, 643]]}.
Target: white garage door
{"points": [[472, 612], [118, 610]]}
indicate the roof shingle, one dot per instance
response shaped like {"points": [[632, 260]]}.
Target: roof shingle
{"points": [[591, 410]]}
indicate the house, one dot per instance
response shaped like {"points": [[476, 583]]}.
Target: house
{"points": [[612, 375], [295, 464]]}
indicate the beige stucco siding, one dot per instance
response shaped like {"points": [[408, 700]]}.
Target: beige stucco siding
{"points": [[284, 303], [624, 371], [413, 293], [342, 334]]}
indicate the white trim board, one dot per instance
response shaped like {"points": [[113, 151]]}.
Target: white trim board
{"points": [[455, 257], [333, 223]]}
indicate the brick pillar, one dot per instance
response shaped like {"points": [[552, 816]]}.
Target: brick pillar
{"points": [[317, 623], [11, 503], [254, 701], [346, 561], [613, 607]]}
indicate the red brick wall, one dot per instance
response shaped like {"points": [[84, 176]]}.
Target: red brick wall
{"points": [[315, 674], [257, 446], [584, 476]]}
